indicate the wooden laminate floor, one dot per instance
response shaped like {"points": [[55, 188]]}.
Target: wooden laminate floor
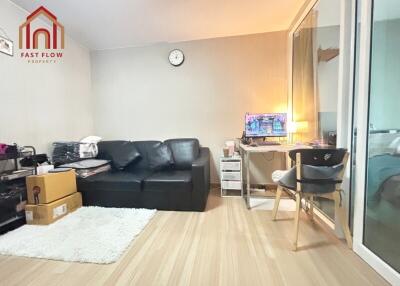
{"points": [[226, 245]]}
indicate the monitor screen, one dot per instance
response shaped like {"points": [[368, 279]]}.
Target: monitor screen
{"points": [[266, 125]]}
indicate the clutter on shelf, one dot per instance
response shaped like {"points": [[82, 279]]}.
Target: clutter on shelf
{"points": [[80, 156], [73, 151], [12, 184]]}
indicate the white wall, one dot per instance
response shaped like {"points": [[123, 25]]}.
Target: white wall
{"points": [[41, 103], [328, 13], [327, 80], [328, 72], [140, 96]]}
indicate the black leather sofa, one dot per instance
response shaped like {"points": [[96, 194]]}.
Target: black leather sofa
{"points": [[182, 185]]}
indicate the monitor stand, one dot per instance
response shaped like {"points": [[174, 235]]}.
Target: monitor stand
{"points": [[269, 143], [264, 142]]}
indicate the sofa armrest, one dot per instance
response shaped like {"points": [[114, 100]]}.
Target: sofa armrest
{"points": [[201, 179]]}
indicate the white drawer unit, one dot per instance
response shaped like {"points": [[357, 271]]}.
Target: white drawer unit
{"points": [[230, 166], [231, 185], [231, 176]]}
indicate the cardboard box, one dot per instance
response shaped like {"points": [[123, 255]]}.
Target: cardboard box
{"points": [[47, 188], [49, 213]]}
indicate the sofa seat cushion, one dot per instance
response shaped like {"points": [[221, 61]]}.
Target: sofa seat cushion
{"points": [[114, 181], [169, 181]]}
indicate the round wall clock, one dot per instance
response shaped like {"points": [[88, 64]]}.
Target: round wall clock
{"points": [[176, 57]]}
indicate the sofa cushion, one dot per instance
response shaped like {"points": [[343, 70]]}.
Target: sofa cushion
{"points": [[114, 181], [145, 148], [160, 158], [120, 153], [169, 181], [184, 151]]}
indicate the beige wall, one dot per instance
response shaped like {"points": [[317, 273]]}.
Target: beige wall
{"points": [[140, 96], [41, 103]]}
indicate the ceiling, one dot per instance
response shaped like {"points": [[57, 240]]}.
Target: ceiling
{"points": [[105, 24]]}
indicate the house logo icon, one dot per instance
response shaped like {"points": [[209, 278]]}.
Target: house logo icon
{"points": [[32, 38]]}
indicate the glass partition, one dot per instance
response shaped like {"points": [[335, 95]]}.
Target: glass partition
{"points": [[315, 79]]}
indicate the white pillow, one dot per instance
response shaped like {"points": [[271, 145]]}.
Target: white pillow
{"points": [[91, 139], [395, 145], [278, 175]]}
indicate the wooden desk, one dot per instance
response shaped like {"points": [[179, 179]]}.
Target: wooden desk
{"points": [[247, 150]]}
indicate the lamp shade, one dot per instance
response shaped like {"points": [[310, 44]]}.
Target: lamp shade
{"points": [[302, 126], [291, 127], [297, 127]]}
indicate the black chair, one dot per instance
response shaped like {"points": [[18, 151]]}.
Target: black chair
{"points": [[318, 173]]}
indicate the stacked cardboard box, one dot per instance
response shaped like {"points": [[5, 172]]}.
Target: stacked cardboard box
{"points": [[51, 196]]}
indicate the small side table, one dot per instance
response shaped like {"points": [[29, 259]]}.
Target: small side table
{"points": [[231, 176]]}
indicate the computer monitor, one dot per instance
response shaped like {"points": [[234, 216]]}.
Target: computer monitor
{"points": [[266, 125]]}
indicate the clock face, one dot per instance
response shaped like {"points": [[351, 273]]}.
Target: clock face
{"points": [[176, 57]]}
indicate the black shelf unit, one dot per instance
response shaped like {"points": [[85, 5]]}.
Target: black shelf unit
{"points": [[13, 190]]}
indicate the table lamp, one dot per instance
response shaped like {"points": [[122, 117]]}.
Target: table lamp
{"points": [[297, 127]]}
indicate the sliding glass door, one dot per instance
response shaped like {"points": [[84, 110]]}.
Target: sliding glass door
{"points": [[382, 207], [377, 181]]}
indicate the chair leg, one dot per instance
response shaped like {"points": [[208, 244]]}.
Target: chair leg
{"points": [[277, 200], [341, 213], [296, 221]]}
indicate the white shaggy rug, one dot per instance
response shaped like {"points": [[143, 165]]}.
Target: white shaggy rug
{"points": [[90, 234]]}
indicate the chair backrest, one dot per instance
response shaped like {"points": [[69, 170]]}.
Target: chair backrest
{"points": [[319, 157]]}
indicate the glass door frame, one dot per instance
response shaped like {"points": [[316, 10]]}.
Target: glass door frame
{"points": [[366, 23], [345, 92], [292, 29]]}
